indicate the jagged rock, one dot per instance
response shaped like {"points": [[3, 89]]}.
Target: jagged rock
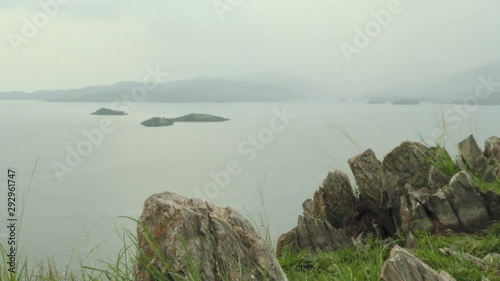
{"points": [[492, 174], [414, 216], [288, 239], [422, 210], [492, 148], [437, 179], [477, 262], [440, 208], [459, 162], [375, 214], [492, 203], [367, 171], [473, 157], [335, 201], [403, 265], [466, 202], [314, 234], [406, 164], [217, 243], [308, 206]]}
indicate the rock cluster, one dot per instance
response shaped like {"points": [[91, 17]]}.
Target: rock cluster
{"points": [[404, 193], [414, 188]]}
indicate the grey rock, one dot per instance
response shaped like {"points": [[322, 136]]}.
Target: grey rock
{"points": [[288, 239], [406, 164], [335, 200], [314, 234], [217, 242], [492, 203], [308, 206], [367, 171], [376, 215], [403, 265], [466, 202], [414, 216], [317, 234], [492, 148], [473, 157], [435, 208], [437, 179]]}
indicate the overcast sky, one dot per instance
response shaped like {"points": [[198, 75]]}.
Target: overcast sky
{"points": [[91, 42]]}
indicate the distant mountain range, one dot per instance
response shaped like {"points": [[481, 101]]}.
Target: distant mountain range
{"points": [[456, 89], [193, 90]]}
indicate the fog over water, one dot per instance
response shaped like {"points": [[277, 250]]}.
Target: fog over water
{"points": [[99, 43]]}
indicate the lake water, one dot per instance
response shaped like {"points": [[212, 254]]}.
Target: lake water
{"points": [[77, 219]]}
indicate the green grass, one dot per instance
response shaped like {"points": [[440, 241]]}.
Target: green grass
{"points": [[442, 160], [478, 245], [354, 264], [346, 264], [487, 186]]}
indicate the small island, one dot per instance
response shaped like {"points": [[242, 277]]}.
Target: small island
{"points": [[158, 122], [106, 111], [193, 117], [197, 117], [406, 102]]}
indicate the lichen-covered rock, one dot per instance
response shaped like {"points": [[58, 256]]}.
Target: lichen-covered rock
{"points": [[404, 266], [367, 171], [437, 179], [314, 234], [466, 202], [472, 156], [492, 148], [492, 204], [440, 208], [375, 212], [414, 216], [406, 164], [335, 200], [200, 239]]}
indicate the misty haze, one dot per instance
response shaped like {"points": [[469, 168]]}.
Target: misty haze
{"points": [[339, 134]]}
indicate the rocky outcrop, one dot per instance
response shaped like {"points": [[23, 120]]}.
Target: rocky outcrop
{"points": [[437, 179], [371, 180], [403, 265], [485, 165], [335, 200], [472, 156], [492, 148], [314, 234], [190, 238], [404, 193], [466, 202]]}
